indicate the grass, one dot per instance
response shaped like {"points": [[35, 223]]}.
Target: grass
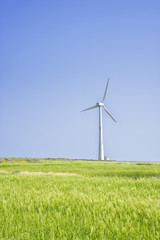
{"points": [[105, 200]]}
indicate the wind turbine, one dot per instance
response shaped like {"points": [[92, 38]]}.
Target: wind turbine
{"points": [[100, 105]]}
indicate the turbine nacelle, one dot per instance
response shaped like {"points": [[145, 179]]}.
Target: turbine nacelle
{"points": [[99, 104]]}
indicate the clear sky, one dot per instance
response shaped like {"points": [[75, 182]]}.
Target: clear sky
{"points": [[56, 57]]}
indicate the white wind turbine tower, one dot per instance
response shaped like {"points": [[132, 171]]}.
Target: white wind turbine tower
{"points": [[100, 105]]}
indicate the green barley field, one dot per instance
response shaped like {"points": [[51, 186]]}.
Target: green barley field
{"points": [[79, 200]]}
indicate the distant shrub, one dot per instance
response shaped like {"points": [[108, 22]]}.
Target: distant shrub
{"points": [[22, 161]]}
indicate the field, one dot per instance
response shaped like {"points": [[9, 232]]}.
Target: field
{"points": [[66, 199]]}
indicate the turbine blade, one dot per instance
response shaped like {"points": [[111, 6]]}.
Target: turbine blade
{"points": [[89, 108], [105, 90], [109, 114]]}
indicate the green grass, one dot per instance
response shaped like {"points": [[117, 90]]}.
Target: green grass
{"points": [[106, 200]]}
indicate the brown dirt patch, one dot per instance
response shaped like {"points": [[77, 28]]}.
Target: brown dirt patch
{"points": [[44, 173]]}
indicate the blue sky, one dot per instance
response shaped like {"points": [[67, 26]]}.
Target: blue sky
{"points": [[56, 57]]}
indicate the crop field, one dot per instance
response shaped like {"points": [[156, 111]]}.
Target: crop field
{"points": [[79, 200]]}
